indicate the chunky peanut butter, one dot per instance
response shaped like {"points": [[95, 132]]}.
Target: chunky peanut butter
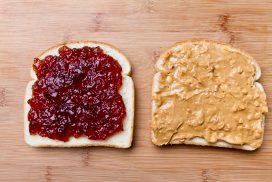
{"points": [[207, 90]]}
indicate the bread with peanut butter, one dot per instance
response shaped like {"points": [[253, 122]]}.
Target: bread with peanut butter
{"points": [[206, 93]]}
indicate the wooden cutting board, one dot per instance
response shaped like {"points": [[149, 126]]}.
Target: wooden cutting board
{"points": [[142, 29]]}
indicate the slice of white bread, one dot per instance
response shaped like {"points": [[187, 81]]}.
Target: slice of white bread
{"points": [[200, 140], [121, 139]]}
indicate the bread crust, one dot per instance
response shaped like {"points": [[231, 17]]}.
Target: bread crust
{"points": [[199, 140], [119, 140]]}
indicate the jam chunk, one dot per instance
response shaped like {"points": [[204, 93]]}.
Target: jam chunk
{"points": [[77, 94]]}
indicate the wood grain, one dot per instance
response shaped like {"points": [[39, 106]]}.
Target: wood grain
{"points": [[142, 29]]}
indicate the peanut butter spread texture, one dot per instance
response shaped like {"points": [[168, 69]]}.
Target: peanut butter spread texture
{"points": [[207, 90]]}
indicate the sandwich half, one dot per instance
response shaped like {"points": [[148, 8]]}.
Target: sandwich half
{"points": [[206, 93], [69, 120]]}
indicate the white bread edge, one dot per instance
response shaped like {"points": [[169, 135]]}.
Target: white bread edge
{"points": [[122, 139], [199, 140]]}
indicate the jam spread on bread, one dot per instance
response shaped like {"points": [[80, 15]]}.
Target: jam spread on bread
{"points": [[77, 94]]}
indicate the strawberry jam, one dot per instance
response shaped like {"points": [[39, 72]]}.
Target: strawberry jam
{"points": [[76, 94]]}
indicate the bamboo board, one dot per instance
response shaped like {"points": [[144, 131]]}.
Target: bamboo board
{"points": [[142, 29]]}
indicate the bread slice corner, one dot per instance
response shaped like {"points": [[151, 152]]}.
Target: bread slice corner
{"points": [[122, 139]]}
